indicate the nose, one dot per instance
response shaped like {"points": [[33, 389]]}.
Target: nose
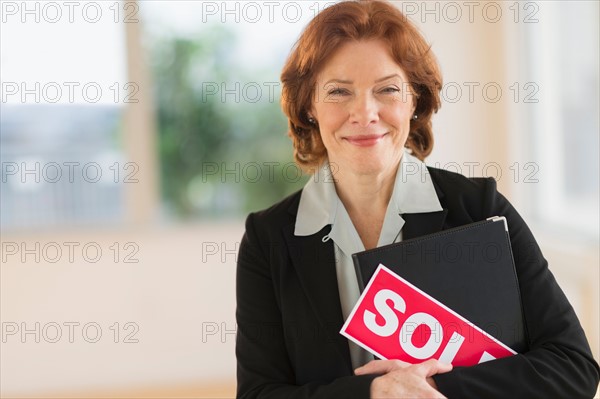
{"points": [[364, 110]]}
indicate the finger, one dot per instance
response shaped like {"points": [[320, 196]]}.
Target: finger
{"points": [[432, 367], [380, 367], [444, 367]]}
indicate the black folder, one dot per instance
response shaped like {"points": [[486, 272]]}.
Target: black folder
{"points": [[470, 269]]}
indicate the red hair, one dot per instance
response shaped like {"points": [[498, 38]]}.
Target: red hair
{"points": [[334, 26]]}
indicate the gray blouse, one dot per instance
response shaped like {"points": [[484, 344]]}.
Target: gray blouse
{"points": [[320, 206]]}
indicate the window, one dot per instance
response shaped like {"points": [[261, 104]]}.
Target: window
{"points": [[222, 136], [563, 54], [63, 88]]}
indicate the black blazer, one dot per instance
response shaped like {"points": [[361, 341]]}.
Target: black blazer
{"points": [[289, 315]]}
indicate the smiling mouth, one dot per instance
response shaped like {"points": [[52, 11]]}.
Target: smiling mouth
{"points": [[365, 140]]}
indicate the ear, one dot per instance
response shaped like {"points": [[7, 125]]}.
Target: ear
{"points": [[312, 114]]}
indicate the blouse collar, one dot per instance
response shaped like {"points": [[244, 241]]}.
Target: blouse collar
{"points": [[413, 193]]}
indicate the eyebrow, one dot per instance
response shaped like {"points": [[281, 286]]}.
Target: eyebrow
{"points": [[350, 82]]}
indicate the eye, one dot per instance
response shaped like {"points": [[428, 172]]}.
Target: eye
{"points": [[337, 92], [391, 89]]}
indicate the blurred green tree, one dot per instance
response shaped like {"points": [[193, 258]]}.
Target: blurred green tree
{"points": [[219, 156]]}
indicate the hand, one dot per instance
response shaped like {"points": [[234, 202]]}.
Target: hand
{"points": [[404, 380]]}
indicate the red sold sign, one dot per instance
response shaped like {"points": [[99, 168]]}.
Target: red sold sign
{"points": [[393, 319]]}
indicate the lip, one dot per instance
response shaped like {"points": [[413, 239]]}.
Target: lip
{"points": [[365, 140]]}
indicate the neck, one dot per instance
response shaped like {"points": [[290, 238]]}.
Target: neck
{"points": [[366, 194], [365, 197]]}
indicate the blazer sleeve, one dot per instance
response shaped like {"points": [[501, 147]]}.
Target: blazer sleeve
{"points": [[264, 369], [559, 363]]}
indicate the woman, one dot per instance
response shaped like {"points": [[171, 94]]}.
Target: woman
{"points": [[359, 90]]}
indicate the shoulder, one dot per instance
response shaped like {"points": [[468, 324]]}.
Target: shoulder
{"points": [[471, 199], [276, 216], [264, 232], [474, 195], [453, 182]]}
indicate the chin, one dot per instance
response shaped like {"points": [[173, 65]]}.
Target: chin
{"points": [[368, 167]]}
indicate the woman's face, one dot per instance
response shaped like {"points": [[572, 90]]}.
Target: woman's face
{"points": [[363, 105]]}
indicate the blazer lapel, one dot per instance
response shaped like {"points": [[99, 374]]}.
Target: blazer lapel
{"points": [[314, 261], [419, 224]]}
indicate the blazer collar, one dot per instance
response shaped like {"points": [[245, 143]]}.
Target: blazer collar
{"points": [[416, 224], [413, 192], [419, 224]]}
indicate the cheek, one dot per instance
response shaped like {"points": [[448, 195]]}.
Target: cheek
{"points": [[398, 116], [333, 117]]}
